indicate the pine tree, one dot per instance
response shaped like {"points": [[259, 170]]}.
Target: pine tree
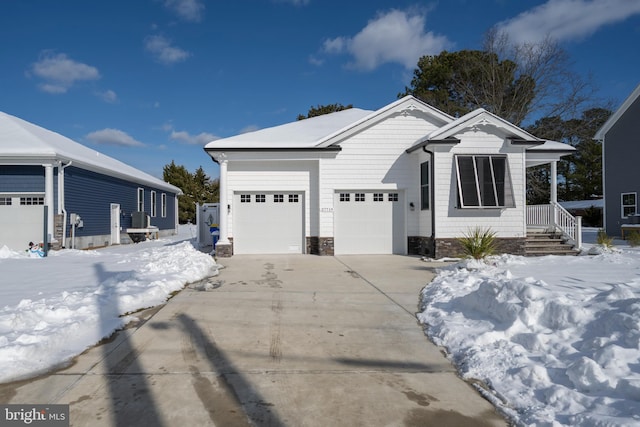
{"points": [[196, 188]]}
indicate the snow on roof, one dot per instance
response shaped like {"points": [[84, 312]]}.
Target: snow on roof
{"points": [[21, 140], [474, 117], [320, 131], [583, 204], [552, 146], [305, 133]]}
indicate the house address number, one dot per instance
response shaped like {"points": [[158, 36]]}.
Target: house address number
{"points": [[326, 209]]}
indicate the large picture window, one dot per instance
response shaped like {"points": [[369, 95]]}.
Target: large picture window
{"points": [[629, 204], [424, 185], [484, 182]]}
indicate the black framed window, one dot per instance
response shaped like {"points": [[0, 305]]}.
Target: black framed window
{"points": [[484, 182], [424, 185]]}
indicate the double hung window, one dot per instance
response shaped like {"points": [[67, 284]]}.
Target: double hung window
{"points": [[629, 204]]}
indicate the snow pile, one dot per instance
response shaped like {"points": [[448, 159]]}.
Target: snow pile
{"points": [[555, 339], [54, 308]]}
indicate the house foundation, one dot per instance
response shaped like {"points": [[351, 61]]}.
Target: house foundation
{"points": [[453, 248]]}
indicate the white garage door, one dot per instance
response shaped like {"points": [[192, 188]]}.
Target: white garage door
{"points": [[369, 222], [268, 223], [21, 220]]}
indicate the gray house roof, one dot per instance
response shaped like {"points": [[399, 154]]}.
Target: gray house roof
{"points": [[22, 142]]}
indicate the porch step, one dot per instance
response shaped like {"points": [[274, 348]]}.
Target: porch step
{"points": [[544, 243]]}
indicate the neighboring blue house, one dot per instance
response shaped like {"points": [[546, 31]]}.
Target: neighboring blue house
{"points": [[620, 172], [91, 200]]}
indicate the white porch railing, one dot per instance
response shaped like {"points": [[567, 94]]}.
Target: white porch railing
{"points": [[556, 217]]}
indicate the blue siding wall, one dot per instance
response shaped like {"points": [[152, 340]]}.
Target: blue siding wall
{"points": [[21, 179], [90, 195]]}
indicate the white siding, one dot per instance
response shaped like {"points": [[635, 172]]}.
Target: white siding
{"points": [[375, 159], [282, 175], [452, 222]]}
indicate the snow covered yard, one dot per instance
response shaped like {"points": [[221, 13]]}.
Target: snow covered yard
{"points": [[53, 308], [556, 339]]}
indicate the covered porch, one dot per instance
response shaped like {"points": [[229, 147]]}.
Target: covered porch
{"points": [[552, 217]]}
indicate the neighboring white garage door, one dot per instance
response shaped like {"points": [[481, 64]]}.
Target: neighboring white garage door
{"points": [[268, 223], [369, 222], [21, 220]]}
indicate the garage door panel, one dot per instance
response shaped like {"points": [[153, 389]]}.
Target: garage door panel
{"points": [[369, 223], [268, 223], [20, 224]]}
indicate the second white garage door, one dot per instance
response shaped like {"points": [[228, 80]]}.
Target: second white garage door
{"points": [[369, 222], [268, 223]]}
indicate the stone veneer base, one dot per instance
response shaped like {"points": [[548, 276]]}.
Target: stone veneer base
{"points": [[453, 248]]}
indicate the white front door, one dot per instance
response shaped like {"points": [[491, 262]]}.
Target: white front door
{"points": [[115, 224], [369, 222]]}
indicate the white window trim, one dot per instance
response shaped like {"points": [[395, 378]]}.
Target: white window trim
{"points": [[163, 206], [622, 205], [425, 200], [509, 200], [154, 207], [140, 199]]}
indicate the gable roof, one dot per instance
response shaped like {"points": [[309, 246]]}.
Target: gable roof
{"points": [[21, 141], [619, 113], [319, 132], [476, 117], [299, 134]]}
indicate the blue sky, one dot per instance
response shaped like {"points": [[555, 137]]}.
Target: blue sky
{"points": [[151, 81]]}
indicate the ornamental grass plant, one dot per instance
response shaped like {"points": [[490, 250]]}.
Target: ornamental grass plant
{"points": [[478, 243]]}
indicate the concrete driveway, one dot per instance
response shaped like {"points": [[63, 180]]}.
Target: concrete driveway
{"points": [[285, 340]]}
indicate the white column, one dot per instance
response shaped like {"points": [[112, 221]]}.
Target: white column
{"points": [[554, 182], [224, 230], [48, 198]]}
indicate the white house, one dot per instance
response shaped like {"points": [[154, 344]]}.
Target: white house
{"points": [[405, 179]]}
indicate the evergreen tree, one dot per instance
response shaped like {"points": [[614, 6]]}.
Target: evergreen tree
{"points": [[579, 175], [197, 188], [324, 109]]}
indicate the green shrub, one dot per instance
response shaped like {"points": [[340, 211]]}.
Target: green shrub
{"points": [[478, 243], [633, 238], [603, 239]]}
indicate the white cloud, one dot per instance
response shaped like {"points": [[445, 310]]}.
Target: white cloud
{"points": [[161, 48], [113, 137], [249, 128], [108, 96], [393, 37], [60, 72], [295, 2], [189, 10], [185, 137], [567, 19]]}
